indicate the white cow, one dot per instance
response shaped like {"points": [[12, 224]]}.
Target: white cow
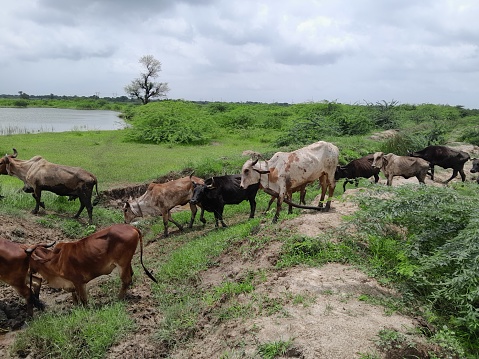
{"points": [[286, 172]]}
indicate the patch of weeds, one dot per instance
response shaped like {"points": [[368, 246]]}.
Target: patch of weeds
{"points": [[327, 292], [236, 310], [305, 300], [369, 356], [74, 229], [316, 251], [46, 222], [328, 309], [82, 333], [391, 305], [274, 349], [227, 290], [269, 305], [392, 340]]}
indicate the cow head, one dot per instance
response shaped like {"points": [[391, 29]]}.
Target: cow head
{"points": [[131, 210], [378, 160], [198, 192], [475, 165], [4, 169], [341, 172], [251, 174]]}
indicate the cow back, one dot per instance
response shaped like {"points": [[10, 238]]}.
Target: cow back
{"points": [[304, 165]]}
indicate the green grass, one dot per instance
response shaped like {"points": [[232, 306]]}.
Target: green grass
{"points": [[82, 333], [116, 162]]}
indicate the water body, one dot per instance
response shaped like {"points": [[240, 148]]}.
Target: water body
{"points": [[34, 120]]}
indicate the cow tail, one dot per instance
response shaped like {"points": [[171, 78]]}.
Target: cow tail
{"points": [[148, 273], [97, 198]]}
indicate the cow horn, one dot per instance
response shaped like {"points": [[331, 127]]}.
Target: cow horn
{"points": [[15, 153], [254, 162], [191, 174], [212, 185], [32, 249]]}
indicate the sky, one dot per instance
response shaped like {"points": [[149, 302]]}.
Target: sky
{"points": [[293, 51]]}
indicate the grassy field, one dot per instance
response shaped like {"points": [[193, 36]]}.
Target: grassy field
{"points": [[430, 264], [117, 162]]}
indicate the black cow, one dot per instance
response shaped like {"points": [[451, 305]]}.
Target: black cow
{"points": [[218, 191], [475, 167], [361, 167], [444, 157]]}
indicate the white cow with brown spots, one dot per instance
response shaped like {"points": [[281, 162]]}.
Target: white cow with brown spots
{"points": [[286, 172]]}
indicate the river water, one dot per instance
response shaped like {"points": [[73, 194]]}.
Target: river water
{"points": [[34, 120]]}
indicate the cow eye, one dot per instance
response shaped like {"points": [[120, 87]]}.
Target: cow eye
{"points": [[246, 172]]}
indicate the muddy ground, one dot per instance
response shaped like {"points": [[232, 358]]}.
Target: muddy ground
{"points": [[332, 323]]}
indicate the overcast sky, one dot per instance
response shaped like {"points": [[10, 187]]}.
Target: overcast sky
{"points": [[349, 51]]}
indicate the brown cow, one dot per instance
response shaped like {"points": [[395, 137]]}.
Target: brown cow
{"points": [[160, 198], [40, 175], [405, 166], [14, 263], [288, 171], [71, 265]]}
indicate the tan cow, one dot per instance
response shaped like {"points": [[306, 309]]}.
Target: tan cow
{"points": [[14, 264], [160, 198], [40, 175], [286, 172], [71, 265], [405, 166]]}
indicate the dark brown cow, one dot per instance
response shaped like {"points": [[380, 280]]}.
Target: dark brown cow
{"points": [[14, 264], [393, 165], [444, 157], [361, 167], [40, 175], [71, 265], [160, 198]]}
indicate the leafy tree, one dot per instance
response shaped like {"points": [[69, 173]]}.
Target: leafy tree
{"points": [[143, 88]]}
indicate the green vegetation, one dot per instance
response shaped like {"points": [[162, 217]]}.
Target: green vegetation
{"points": [[420, 239], [82, 333]]}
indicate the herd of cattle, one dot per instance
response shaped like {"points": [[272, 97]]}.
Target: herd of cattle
{"points": [[71, 265]]}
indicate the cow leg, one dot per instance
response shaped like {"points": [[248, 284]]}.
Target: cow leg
{"points": [[26, 293], [463, 175], [432, 172], [125, 276], [38, 196], [324, 185], [302, 195], [454, 174], [170, 219], [80, 294], [356, 182], [331, 187], [390, 181], [272, 200], [278, 209], [376, 178], [252, 207], [193, 210], [219, 217], [202, 216]]}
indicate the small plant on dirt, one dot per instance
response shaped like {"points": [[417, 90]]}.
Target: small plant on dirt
{"points": [[274, 349]]}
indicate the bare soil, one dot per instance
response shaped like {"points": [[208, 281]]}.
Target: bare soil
{"points": [[331, 322]]}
